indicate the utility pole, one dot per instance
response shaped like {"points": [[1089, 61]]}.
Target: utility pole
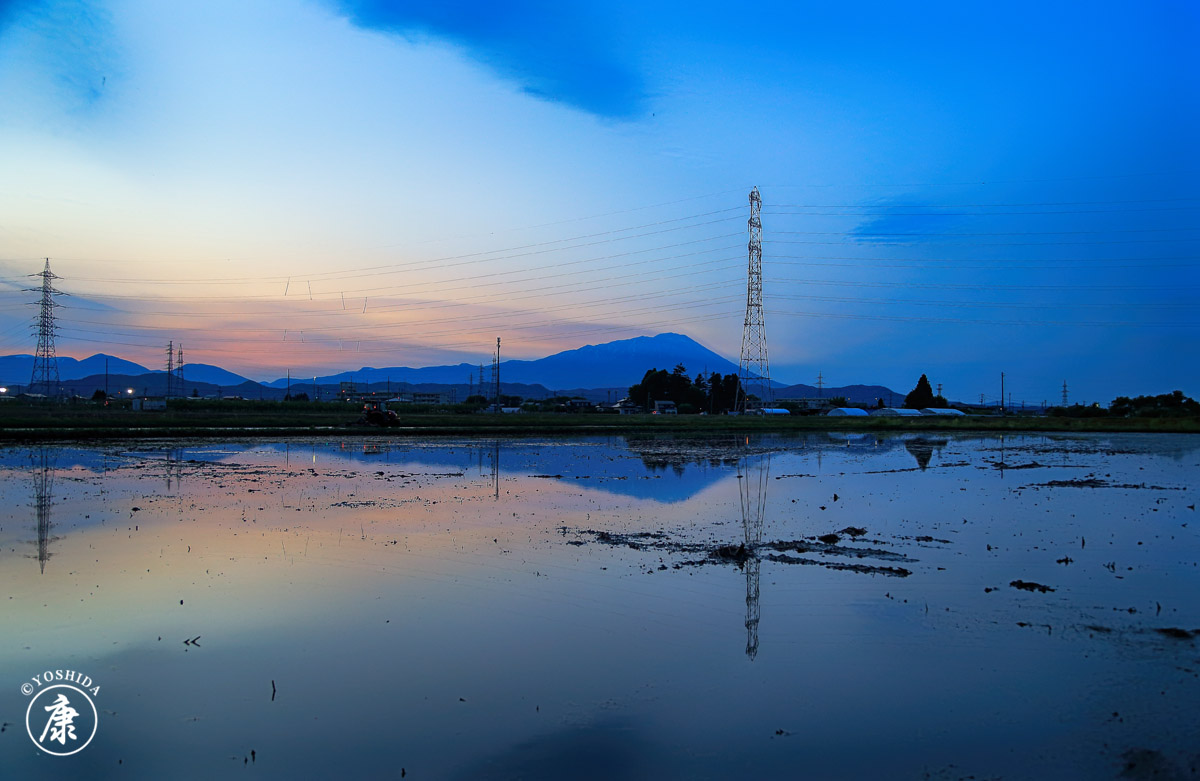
{"points": [[939, 389], [820, 385], [1064, 393], [754, 368], [45, 362], [496, 373], [1002, 392]]}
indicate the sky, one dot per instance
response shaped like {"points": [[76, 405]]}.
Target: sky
{"points": [[950, 189]]}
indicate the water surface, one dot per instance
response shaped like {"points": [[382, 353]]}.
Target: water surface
{"points": [[611, 607]]}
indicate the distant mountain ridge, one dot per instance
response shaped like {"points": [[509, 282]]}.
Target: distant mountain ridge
{"points": [[601, 372], [18, 369], [613, 364]]}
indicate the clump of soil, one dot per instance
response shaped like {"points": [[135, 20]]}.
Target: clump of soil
{"points": [[735, 553], [830, 539], [1026, 585]]}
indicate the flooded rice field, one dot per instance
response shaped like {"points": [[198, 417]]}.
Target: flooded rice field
{"points": [[820, 606]]}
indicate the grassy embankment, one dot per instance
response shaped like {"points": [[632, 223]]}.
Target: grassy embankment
{"points": [[20, 422]]}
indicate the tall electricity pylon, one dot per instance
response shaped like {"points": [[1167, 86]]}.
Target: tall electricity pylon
{"points": [[754, 374], [45, 362]]}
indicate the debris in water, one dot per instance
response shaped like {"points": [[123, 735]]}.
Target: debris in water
{"points": [[1030, 586]]}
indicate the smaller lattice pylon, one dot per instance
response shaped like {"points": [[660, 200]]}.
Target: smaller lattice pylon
{"points": [[45, 361]]}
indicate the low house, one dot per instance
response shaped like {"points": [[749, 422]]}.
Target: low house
{"points": [[808, 406], [665, 408], [150, 405], [627, 406]]}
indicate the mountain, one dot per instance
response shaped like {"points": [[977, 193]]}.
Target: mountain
{"points": [[601, 372], [612, 365], [855, 394], [618, 364], [17, 369], [212, 375]]}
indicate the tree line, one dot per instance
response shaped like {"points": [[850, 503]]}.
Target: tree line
{"points": [[714, 394]]}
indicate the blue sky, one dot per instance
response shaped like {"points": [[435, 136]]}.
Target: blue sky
{"points": [[948, 188]]}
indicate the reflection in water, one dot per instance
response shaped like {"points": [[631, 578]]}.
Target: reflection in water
{"points": [[496, 469], [752, 484], [493, 456], [619, 657], [43, 487], [174, 468], [922, 449]]}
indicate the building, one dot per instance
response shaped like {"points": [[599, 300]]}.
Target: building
{"points": [[943, 412], [627, 406], [896, 412], [665, 408], [808, 406], [846, 412]]}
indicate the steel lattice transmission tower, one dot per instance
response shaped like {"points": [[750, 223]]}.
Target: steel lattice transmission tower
{"points": [[754, 374], [45, 362]]}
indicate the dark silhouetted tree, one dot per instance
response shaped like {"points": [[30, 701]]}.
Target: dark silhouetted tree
{"points": [[920, 396]]}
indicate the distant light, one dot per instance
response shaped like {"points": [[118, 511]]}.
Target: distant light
{"points": [[129, 391], [3, 390]]}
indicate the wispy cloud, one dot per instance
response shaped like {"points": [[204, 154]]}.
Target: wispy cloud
{"points": [[556, 51]]}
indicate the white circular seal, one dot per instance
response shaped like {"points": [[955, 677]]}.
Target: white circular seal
{"points": [[61, 720]]}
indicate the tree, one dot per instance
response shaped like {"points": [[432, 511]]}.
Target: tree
{"points": [[1166, 405], [722, 392], [920, 396]]}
